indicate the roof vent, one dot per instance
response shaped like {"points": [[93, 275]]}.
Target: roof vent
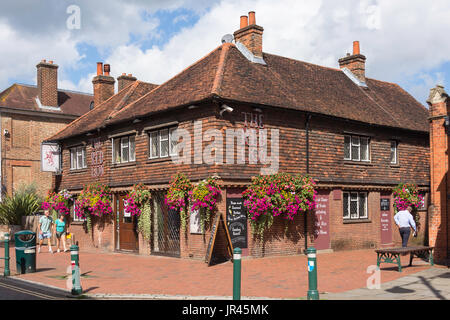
{"points": [[228, 38]]}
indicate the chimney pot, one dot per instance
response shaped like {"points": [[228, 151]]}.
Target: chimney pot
{"points": [[51, 62], [107, 69], [124, 74], [356, 49], [99, 68], [244, 22], [251, 18]]}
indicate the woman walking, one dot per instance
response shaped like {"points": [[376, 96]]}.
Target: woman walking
{"points": [[61, 232]]}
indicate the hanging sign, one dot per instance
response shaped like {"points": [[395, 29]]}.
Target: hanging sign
{"points": [[50, 157]]}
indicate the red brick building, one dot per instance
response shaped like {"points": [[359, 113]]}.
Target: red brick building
{"points": [[29, 114], [356, 136]]}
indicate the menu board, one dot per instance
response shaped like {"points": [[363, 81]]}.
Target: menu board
{"points": [[322, 226], [385, 221], [237, 222]]}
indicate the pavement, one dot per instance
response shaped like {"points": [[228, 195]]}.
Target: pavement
{"points": [[341, 275]]}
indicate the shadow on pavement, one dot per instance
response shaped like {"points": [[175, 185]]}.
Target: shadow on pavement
{"points": [[398, 289], [435, 292]]}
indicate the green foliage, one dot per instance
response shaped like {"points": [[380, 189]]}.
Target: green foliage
{"points": [[145, 221], [24, 202]]}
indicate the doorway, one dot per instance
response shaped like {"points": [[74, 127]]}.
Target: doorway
{"points": [[126, 226], [166, 228]]}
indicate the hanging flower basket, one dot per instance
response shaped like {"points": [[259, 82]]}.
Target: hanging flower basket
{"points": [[177, 196], [58, 202], [137, 203], [94, 200], [280, 195], [204, 198], [407, 195]]}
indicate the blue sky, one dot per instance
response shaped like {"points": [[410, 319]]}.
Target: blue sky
{"points": [[154, 40]]}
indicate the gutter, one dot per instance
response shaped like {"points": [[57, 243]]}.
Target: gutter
{"points": [[308, 119]]}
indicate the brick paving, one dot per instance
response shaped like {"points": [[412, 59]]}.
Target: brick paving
{"points": [[275, 277]]}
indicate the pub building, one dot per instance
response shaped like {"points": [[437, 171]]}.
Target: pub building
{"points": [[357, 137]]}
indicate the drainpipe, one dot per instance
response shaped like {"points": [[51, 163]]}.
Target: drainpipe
{"points": [[308, 118]]}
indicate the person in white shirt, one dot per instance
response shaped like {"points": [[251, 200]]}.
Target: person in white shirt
{"points": [[405, 222]]}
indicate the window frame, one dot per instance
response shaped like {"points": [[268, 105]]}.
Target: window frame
{"points": [[158, 136], [348, 195], [355, 141], [74, 217], [76, 152], [119, 140], [395, 151]]}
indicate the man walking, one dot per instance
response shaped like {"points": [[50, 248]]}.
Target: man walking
{"points": [[45, 224], [405, 222]]}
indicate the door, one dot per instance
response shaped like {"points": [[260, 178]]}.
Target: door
{"points": [[125, 227], [322, 221], [385, 220], [166, 228]]}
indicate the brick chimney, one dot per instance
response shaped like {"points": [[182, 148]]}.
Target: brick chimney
{"points": [[250, 34], [356, 63], [47, 83], [125, 80], [103, 84]]}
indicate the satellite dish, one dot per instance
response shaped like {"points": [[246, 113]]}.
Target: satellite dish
{"points": [[228, 38]]}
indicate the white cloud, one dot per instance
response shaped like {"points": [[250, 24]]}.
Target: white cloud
{"points": [[402, 39]]}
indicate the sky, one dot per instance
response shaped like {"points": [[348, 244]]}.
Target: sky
{"points": [[405, 41]]}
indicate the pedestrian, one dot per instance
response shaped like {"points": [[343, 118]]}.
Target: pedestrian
{"points": [[405, 222], [44, 228], [61, 231]]}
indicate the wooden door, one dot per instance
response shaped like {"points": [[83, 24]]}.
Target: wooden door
{"points": [[126, 227]]}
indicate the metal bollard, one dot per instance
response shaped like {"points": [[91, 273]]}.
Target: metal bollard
{"points": [[237, 273], [313, 294], [6, 273], [75, 262]]}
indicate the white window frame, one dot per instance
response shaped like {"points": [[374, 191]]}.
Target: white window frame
{"points": [[395, 151], [356, 141], [358, 194], [124, 146], [75, 153], [75, 218], [158, 135]]}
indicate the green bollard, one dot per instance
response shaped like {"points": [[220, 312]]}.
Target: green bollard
{"points": [[6, 273], [313, 294], [75, 262], [237, 273]]}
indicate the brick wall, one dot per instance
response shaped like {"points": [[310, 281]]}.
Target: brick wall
{"points": [[21, 150], [327, 165]]}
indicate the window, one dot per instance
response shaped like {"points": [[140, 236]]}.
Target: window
{"points": [[161, 143], [124, 149], [356, 148], [355, 205], [73, 214], [78, 158], [394, 152]]}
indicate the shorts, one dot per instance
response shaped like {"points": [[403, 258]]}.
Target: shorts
{"points": [[45, 235], [59, 234]]}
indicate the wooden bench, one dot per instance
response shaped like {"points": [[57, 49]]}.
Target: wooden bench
{"points": [[392, 255]]}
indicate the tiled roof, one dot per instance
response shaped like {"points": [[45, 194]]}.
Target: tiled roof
{"points": [[23, 97], [285, 83], [100, 115]]}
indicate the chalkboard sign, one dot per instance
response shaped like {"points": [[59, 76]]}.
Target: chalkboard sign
{"points": [[385, 204], [237, 222], [212, 239]]}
